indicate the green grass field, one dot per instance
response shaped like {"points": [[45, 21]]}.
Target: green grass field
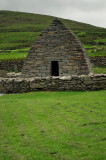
{"points": [[95, 50], [18, 30], [53, 126], [99, 70]]}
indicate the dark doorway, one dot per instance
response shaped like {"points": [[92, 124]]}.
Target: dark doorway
{"points": [[54, 68]]}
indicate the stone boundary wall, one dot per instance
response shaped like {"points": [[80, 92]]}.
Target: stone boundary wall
{"points": [[13, 65], [70, 83], [16, 65], [98, 61]]}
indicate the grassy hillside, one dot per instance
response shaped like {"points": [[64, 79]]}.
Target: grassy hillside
{"points": [[53, 126], [18, 30]]}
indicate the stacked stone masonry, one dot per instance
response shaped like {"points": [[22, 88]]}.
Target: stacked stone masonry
{"points": [[98, 61], [12, 65], [57, 47], [70, 83], [56, 44], [17, 65]]}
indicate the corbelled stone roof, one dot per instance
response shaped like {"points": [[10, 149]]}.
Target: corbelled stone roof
{"points": [[56, 43]]}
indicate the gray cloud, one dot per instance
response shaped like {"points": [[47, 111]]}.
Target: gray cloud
{"points": [[88, 11], [9, 5]]}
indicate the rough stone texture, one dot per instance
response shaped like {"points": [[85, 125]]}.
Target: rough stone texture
{"points": [[99, 61], [56, 43], [13, 75], [3, 73], [17, 65], [13, 65], [64, 83]]}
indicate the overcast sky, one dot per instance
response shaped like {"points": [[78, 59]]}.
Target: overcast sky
{"points": [[88, 11]]}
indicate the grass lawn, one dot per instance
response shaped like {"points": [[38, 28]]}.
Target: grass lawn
{"points": [[15, 54], [99, 70], [16, 40], [53, 126], [100, 40], [95, 50]]}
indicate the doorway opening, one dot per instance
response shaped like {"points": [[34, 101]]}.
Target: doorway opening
{"points": [[54, 68]]}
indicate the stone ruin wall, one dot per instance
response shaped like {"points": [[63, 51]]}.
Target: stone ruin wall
{"points": [[70, 83]]}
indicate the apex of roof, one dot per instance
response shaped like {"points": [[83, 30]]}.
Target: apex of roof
{"points": [[56, 20], [56, 25]]}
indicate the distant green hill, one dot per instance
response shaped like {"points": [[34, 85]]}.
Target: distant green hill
{"points": [[18, 30]]}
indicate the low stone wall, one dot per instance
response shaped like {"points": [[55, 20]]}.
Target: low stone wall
{"points": [[13, 65], [16, 65], [98, 61], [71, 83]]}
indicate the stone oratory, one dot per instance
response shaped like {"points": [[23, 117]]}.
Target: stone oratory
{"points": [[56, 52]]}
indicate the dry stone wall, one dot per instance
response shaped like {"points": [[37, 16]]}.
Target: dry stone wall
{"points": [[17, 65], [98, 61], [70, 83], [13, 65]]}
